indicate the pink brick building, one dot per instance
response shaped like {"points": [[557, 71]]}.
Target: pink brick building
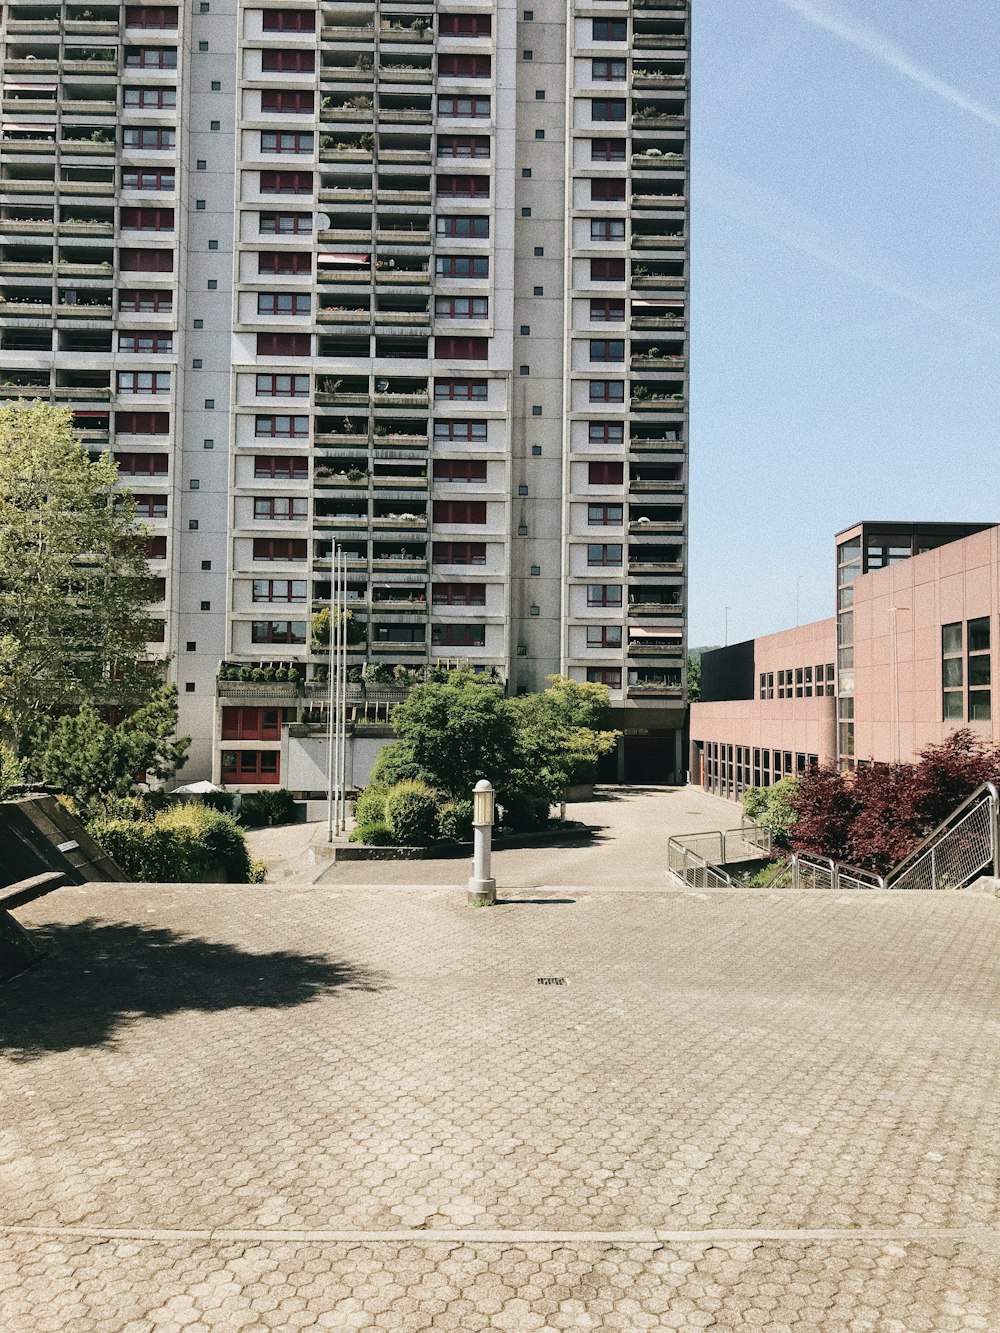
{"points": [[909, 656]]}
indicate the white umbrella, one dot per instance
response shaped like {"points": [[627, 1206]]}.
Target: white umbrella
{"points": [[195, 789]]}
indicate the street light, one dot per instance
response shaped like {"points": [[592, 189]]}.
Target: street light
{"points": [[482, 888]]}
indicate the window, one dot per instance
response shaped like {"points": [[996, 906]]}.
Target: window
{"points": [[459, 469], [604, 636], [278, 631], [605, 190], [464, 66], [283, 386], [607, 108], [289, 20], [280, 548], [476, 107], [137, 300], [151, 506], [147, 219], [462, 266], [604, 516], [607, 391], [459, 594], [260, 767], [477, 228], [151, 57], [604, 554], [465, 25], [144, 381], [607, 71], [142, 423], [464, 349], [607, 150], [285, 224], [152, 344], [286, 182], [283, 303], [463, 145], [604, 594], [459, 553], [460, 511], [609, 30], [463, 187], [978, 649], [952, 681], [607, 349], [146, 261], [285, 467], [291, 141], [150, 99], [297, 101], [151, 16], [279, 590], [606, 432], [461, 307], [251, 724], [284, 60], [606, 310], [605, 474], [610, 676], [148, 180], [459, 636], [607, 270], [284, 344], [459, 391], [142, 465], [156, 548], [280, 427], [463, 432], [148, 138], [284, 261], [280, 508]]}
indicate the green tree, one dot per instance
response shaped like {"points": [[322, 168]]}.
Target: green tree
{"points": [[694, 679], [95, 763], [774, 808], [73, 577]]}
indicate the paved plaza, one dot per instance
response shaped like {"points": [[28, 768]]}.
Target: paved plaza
{"points": [[352, 1107]]}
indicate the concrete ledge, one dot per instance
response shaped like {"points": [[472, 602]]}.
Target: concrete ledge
{"points": [[447, 851]]}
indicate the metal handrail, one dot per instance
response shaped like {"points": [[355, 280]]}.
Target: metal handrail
{"points": [[925, 842], [836, 870]]}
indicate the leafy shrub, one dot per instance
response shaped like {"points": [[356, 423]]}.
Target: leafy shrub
{"points": [[395, 763], [524, 813], [411, 813], [259, 809], [773, 808], [218, 800], [376, 834], [369, 808], [178, 845], [455, 821]]}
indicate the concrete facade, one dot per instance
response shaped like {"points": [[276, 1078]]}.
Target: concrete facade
{"points": [[408, 279]]}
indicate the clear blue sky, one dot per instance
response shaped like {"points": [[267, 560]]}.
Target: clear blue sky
{"points": [[845, 332]]}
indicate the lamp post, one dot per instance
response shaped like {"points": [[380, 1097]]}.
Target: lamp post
{"points": [[482, 888]]}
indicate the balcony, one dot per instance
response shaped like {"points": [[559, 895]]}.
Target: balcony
{"points": [[399, 235], [653, 159], [656, 360], [649, 443], [653, 642], [647, 689]]}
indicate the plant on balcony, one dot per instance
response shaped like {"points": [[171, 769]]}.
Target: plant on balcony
{"points": [[356, 475], [367, 142], [365, 62]]}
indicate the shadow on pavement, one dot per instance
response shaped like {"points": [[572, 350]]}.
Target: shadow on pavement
{"points": [[101, 977], [525, 902], [620, 793]]}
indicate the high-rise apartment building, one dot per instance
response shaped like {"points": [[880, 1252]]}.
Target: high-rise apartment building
{"points": [[408, 279]]}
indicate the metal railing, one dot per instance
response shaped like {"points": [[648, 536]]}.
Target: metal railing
{"points": [[696, 859], [818, 872], [961, 847]]}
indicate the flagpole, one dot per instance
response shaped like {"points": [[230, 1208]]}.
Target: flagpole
{"points": [[343, 697], [330, 768]]}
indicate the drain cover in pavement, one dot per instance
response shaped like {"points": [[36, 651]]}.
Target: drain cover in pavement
{"points": [[552, 981]]}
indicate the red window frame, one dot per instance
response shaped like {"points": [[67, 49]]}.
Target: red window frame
{"points": [[465, 25], [607, 150], [463, 65], [142, 465], [450, 431], [463, 145], [289, 20], [287, 141], [607, 270], [142, 423], [271, 224], [604, 636], [132, 381], [284, 344], [460, 511], [605, 474], [284, 261], [149, 99], [609, 676], [605, 515], [607, 391], [458, 553], [147, 219], [602, 594], [291, 304], [157, 632], [279, 631], [607, 229], [601, 555], [463, 187], [286, 182], [462, 266], [461, 349], [458, 636], [609, 69], [463, 227], [145, 300], [273, 427], [290, 549], [460, 469], [459, 594], [156, 548], [262, 768], [142, 179], [462, 307], [287, 60], [609, 30], [606, 432], [149, 138], [281, 592], [287, 101], [609, 110], [464, 108], [285, 467], [607, 189], [273, 386], [610, 350], [146, 344], [151, 16], [607, 310], [280, 508], [251, 724], [146, 261], [150, 506], [151, 57], [461, 390]]}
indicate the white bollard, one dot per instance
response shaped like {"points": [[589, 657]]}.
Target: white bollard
{"points": [[482, 887]]}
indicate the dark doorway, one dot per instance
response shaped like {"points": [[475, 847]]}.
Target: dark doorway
{"points": [[650, 759]]}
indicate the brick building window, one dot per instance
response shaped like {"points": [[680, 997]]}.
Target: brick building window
{"points": [[259, 767], [952, 673]]}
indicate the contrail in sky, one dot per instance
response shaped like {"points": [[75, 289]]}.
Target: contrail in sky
{"points": [[891, 56]]}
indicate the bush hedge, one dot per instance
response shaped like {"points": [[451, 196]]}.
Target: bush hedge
{"points": [[455, 821], [369, 808], [411, 811], [178, 845], [375, 834], [259, 809]]}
